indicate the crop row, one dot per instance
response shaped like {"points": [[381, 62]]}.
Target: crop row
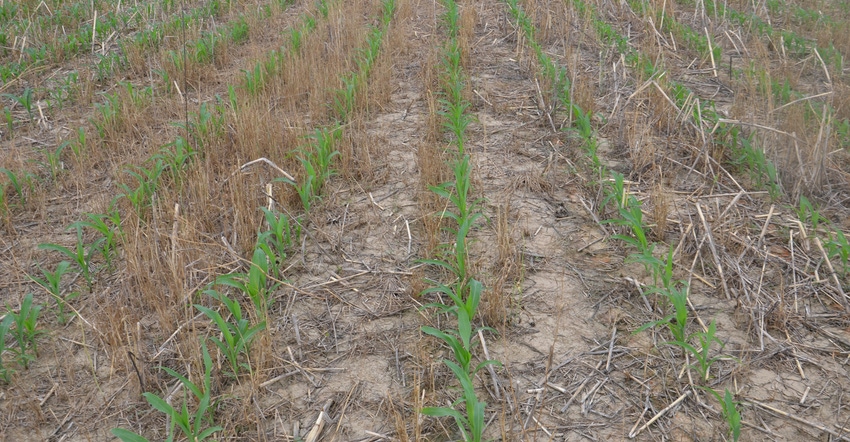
{"points": [[463, 212]]}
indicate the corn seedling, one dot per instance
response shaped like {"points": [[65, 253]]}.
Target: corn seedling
{"points": [[81, 255], [79, 145], [281, 234], [807, 212], [203, 50], [465, 292], [4, 205], [19, 183], [26, 329], [631, 217], [207, 124], [141, 197], [729, 411], [109, 226], [254, 283], [324, 8], [762, 170], [316, 158], [52, 283], [10, 122], [236, 334], [5, 324], [239, 31], [306, 188], [471, 424], [254, 79], [25, 100], [192, 425], [677, 321], [837, 245], [53, 160], [175, 157], [108, 115], [344, 100], [164, 79], [703, 362], [139, 97]]}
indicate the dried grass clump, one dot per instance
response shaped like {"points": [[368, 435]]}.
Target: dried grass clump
{"points": [[660, 210]]}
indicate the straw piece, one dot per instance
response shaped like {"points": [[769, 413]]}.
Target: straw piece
{"points": [[634, 434]]}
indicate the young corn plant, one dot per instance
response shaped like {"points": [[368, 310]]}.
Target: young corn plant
{"points": [[52, 283], [254, 284], [236, 333], [317, 158], [837, 246], [10, 122], [81, 255], [4, 205], [729, 411], [755, 161], [20, 184], [676, 293], [281, 234], [141, 197], [700, 353], [175, 157], [631, 217], [26, 330], [79, 145], [25, 100], [108, 225], [193, 426], [53, 160], [807, 212], [559, 82], [471, 424], [5, 325], [254, 79]]}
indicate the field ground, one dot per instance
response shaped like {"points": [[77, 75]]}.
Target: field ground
{"points": [[622, 154]]}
